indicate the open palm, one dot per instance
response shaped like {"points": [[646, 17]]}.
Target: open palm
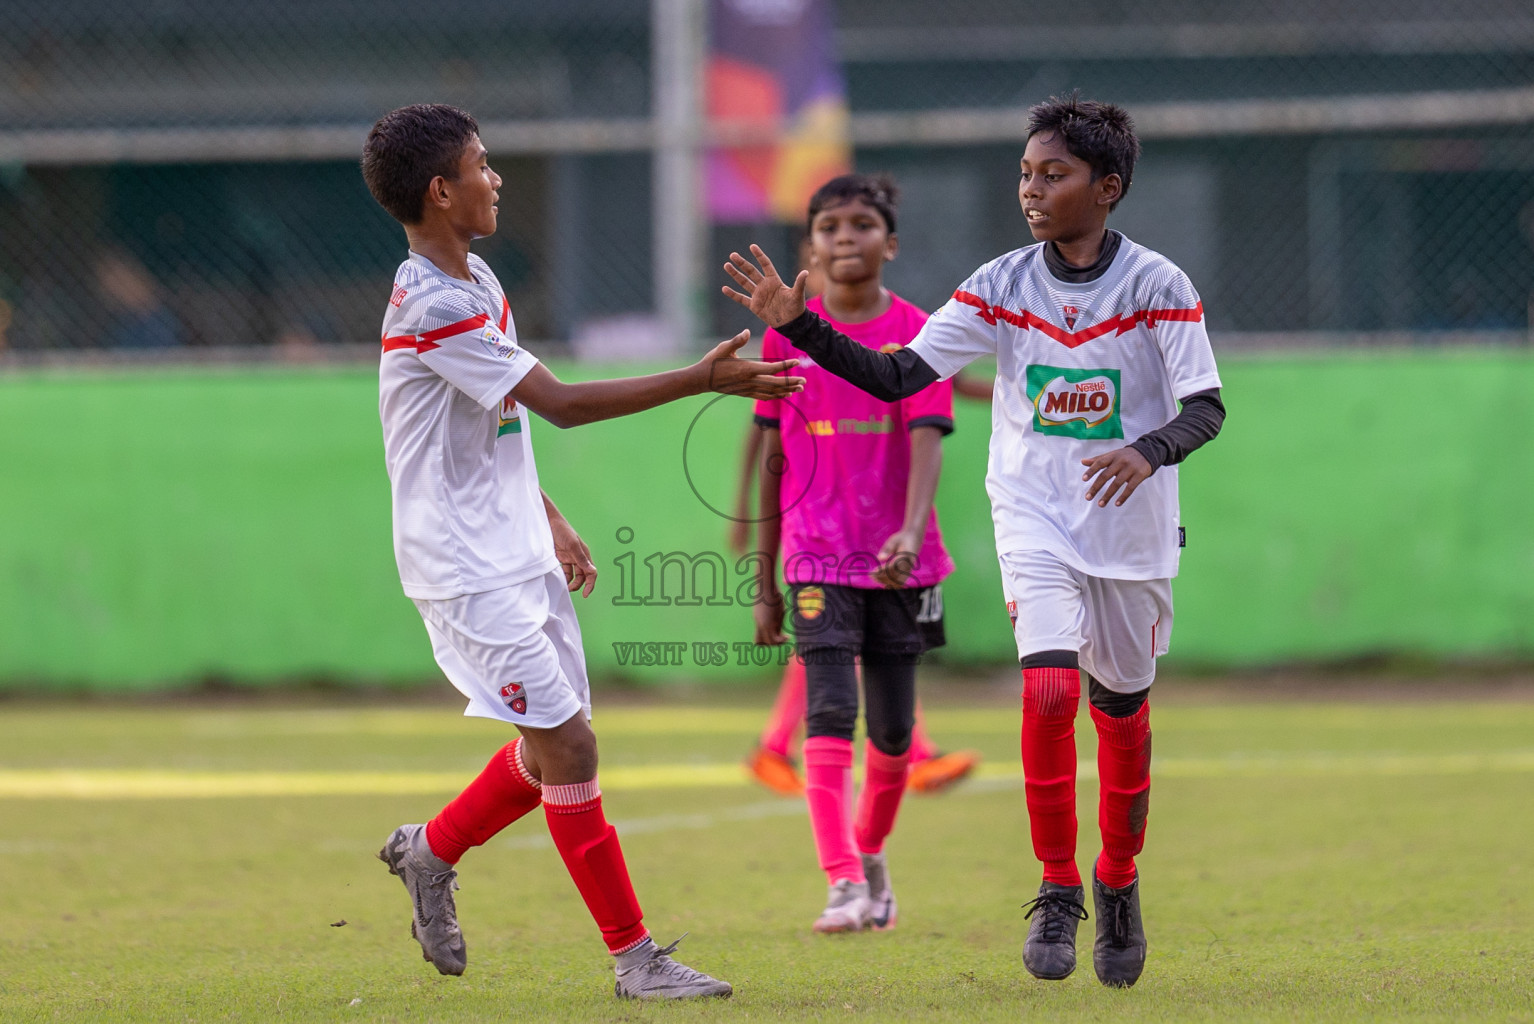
{"points": [[764, 292]]}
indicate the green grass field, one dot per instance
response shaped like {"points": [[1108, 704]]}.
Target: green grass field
{"points": [[1307, 860]]}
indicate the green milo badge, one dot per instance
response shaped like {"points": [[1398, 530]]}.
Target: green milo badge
{"points": [[1082, 404]]}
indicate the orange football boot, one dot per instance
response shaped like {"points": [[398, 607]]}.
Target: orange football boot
{"points": [[775, 771], [941, 772]]}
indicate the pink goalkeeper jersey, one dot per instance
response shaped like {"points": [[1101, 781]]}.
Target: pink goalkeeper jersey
{"points": [[849, 459]]}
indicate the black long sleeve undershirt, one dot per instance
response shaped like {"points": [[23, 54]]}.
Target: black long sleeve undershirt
{"points": [[888, 376], [1196, 425], [891, 376]]}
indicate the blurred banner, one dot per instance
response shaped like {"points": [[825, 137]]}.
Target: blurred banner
{"points": [[772, 70]]}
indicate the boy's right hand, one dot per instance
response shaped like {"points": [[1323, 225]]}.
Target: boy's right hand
{"points": [[728, 374], [768, 613], [765, 294]]}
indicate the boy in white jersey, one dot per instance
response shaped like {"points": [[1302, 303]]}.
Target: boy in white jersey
{"points": [[484, 553], [1097, 340]]}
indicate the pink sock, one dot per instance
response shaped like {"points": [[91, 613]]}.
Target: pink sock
{"points": [[884, 778], [922, 746], [788, 711], [828, 790]]}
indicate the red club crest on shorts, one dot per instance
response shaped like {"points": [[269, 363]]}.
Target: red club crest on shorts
{"points": [[1012, 611], [515, 697]]}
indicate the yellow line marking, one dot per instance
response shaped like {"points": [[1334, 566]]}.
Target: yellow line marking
{"points": [[149, 784], [117, 784], [1341, 765], [159, 785]]}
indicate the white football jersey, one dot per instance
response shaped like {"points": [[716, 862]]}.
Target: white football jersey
{"points": [[468, 515], [1082, 369]]}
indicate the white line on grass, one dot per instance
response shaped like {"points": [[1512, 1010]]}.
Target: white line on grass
{"points": [[782, 808]]}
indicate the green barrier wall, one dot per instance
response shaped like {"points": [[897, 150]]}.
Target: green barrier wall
{"points": [[161, 528]]}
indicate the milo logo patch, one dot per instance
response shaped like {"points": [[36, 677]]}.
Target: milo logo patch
{"points": [[1083, 404]]}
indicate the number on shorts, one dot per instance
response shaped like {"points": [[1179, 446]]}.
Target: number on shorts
{"points": [[931, 608]]}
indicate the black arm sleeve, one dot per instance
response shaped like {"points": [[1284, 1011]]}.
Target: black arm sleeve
{"points": [[1197, 424], [888, 376]]}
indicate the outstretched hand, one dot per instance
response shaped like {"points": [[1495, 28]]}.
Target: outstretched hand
{"points": [[728, 374], [765, 294]]}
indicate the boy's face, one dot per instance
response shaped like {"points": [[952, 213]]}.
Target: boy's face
{"points": [[1059, 198], [850, 243], [471, 199]]}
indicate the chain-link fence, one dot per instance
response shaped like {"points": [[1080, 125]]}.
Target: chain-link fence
{"points": [[180, 175]]}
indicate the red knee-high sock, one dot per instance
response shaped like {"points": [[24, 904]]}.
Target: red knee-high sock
{"points": [[1123, 771], [589, 847], [828, 791], [787, 711], [501, 794], [922, 746], [1050, 699], [884, 777]]}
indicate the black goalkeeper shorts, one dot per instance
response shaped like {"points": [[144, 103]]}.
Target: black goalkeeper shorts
{"points": [[867, 622]]}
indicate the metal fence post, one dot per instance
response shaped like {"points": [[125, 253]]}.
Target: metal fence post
{"points": [[677, 41]]}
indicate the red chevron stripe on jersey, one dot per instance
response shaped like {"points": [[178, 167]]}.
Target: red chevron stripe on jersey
{"points": [[428, 341], [505, 313], [1121, 323]]}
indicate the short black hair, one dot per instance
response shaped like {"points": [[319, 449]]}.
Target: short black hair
{"points": [[1102, 134], [877, 190], [409, 147]]}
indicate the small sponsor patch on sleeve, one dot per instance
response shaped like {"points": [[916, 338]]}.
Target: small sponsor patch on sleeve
{"points": [[398, 297], [496, 343]]}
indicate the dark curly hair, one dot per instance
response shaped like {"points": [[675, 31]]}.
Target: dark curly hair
{"points": [[409, 147], [1102, 134], [877, 190]]}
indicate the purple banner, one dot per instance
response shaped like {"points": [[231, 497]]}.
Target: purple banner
{"points": [[772, 66]]}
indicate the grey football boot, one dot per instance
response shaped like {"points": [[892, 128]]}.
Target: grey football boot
{"points": [[1118, 955], [847, 908], [1054, 915], [876, 869], [430, 880], [648, 972]]}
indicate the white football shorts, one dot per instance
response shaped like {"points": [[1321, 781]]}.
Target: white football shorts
{"points": [[515, 653], [1117, 627]]}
